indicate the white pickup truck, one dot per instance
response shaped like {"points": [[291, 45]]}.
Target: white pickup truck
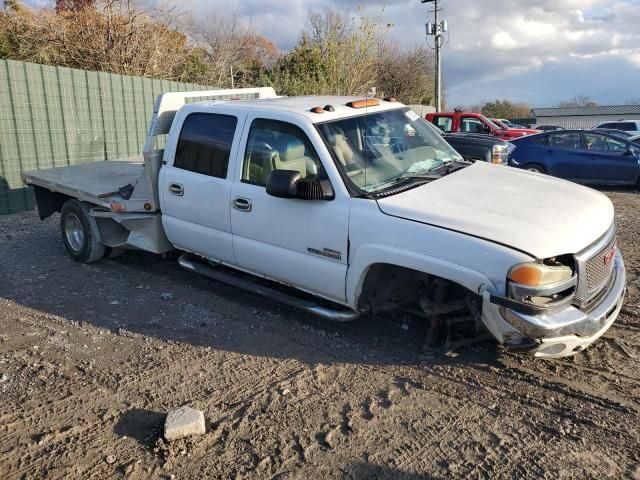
{"points": [[358, 202]]}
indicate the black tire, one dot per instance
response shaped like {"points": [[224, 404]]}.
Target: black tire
{"points": [[534, 167], [77, 234]]}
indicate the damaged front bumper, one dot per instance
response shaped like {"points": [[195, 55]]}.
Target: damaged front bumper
{"points": [[557, 333]]}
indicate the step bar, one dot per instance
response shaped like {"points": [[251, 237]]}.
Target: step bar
{"points": [[194, 263]]}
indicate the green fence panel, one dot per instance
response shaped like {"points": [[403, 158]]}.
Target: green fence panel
{"points": [[55, 116]]}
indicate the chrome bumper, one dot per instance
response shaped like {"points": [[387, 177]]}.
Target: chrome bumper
{"points": [[563, 332]]}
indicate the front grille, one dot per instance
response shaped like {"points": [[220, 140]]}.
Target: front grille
{"points": [[597, 272]]}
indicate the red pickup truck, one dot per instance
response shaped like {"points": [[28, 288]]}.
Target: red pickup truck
{"points": [[467, 122]]}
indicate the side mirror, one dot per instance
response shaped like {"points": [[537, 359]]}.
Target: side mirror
{"points": [[630, 151], [290, 184]]}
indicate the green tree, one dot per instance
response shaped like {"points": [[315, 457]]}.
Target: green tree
{"points": [[505, 109]]}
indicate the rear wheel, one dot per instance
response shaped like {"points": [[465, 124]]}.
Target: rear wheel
{"points": [[77, 234], [533, 167]]}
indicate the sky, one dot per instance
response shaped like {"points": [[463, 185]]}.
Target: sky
{"points": [[540, 52]]}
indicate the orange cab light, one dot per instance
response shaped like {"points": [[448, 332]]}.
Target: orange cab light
{"points": [[369, 102], [317, 110], [390, 99]]}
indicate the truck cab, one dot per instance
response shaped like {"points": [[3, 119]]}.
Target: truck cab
{"points": [[468, 122]]}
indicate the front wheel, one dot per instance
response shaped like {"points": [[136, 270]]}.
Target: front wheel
{"points": [[77, 234], [534, 168]]}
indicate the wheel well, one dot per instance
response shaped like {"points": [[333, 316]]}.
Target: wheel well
{"points": [[387, 287]]}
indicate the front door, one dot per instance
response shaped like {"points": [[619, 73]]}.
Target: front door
{"points": [[607, 160], [196, 185], [564, 156], [298, 242]]}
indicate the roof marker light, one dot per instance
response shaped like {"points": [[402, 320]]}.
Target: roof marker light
{"points": [[329, 108], [317, 110], [369, 102]]}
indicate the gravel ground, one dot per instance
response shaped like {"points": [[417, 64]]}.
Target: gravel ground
{"points": [[92, 358]]}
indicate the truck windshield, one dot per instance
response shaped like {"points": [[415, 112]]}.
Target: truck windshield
{"points": [[378, 150]]}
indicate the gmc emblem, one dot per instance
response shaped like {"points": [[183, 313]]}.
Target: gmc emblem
{"points": [[608, 258]]}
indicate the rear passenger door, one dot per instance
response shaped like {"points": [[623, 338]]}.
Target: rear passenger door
{"points": [[298, 242], [195, 184]]}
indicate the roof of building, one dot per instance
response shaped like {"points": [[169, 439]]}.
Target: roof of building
{"points": [[587, 111]]}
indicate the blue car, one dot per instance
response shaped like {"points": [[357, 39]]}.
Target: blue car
{"points": [[582, 156]]}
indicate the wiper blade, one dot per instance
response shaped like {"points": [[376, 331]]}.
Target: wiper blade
{"points": [[418, 176]]}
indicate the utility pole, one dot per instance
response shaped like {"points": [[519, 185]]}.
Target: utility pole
{"points": [[436, 29]]}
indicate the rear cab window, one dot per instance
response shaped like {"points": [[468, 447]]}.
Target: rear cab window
{"points": [[204, 145]]}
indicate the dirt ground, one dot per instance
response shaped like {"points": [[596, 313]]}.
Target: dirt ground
{"points": [[92, 358]]}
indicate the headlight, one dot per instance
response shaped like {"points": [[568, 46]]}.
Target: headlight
{"points": [[539, 275], [545, 284], [499, 154]]}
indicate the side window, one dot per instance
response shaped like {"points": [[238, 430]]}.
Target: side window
{"points": [[444, 123], [626, 126], [540, 139], [603, 143], [275, 145], [565, 140], [608, 125], [472, 125], [205, 142]]}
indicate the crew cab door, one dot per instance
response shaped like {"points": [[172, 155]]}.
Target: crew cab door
{"points": [[195, 182], [303, 243]]}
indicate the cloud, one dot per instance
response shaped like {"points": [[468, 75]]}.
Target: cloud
{"points": [[494, 47]]}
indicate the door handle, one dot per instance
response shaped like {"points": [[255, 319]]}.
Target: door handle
{"points": [[242, 204], [176, 189]]}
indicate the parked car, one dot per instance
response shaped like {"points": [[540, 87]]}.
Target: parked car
{"points": [[631, 126], [465, 122], [359, 204], [504, 123], [548, 128], [583, 156], [482, 148], [614, 132]]}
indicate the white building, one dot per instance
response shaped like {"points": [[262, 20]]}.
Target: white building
{"points": [[584, 117]]}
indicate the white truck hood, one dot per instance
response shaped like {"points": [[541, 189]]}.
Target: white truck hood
{"points": [[534, 213]]}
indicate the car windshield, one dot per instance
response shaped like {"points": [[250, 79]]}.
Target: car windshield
{"points": [[378, 150]]}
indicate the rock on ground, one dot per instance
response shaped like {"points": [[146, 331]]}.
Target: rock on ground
{"points": [[184, 422]]}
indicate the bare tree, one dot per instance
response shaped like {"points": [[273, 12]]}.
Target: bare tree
{"points": [[578, 101], [407, 74], [116, 36]]}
